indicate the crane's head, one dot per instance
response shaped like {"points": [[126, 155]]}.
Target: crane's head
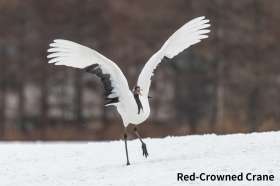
{"points": [[137, 90]]}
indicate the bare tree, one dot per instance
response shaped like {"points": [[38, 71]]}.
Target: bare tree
{"points": [[2, 93]]}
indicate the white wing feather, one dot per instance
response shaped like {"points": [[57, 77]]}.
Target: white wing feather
{"points": [[68, 53], [189, 34]]}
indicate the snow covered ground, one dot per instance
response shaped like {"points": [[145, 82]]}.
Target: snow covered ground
{"points": [[103, 163]]}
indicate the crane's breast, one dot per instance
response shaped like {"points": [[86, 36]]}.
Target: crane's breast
{"points": [[129, 111]]}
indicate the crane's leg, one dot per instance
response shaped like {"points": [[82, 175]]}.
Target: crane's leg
{"points": [[144, 147], [126, 151]]}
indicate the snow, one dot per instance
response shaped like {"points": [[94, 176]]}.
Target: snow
{"points": [[103, 163]]}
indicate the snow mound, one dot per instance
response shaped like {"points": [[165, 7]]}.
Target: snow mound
{"points": [[103, 163]]}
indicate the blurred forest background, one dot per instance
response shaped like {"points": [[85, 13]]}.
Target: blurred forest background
{"points": [[228, 83]]}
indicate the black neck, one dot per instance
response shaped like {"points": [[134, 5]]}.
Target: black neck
{"points": [[138, 102]]}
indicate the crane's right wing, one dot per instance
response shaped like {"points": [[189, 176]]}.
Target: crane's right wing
{"points": [[189, 34], [68, 53]]}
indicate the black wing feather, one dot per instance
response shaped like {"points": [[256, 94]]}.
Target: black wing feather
{"points": [[107, 84]]}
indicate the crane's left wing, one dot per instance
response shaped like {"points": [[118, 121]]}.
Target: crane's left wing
{"points": [[68, 53], [189, 34]]}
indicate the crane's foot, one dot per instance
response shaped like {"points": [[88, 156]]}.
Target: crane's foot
{"points": [[127, 163], [144, 149]]}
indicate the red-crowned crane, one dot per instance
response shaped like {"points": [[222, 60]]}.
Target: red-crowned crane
{"points": [[133, 106]]}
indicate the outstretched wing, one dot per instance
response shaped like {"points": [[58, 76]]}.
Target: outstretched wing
{"points": [[189, 34], [68, 53]]}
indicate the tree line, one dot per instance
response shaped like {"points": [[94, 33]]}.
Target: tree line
{"points": [[227, 83]]}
